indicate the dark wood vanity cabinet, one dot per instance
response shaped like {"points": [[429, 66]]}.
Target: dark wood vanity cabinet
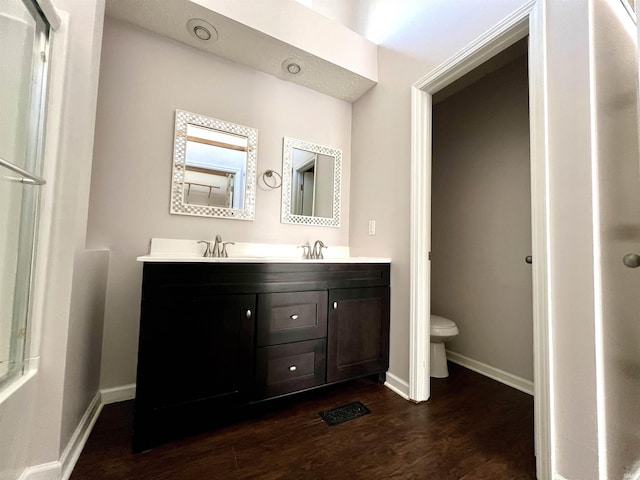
{"points": [[217, 337], [196, 355], [358, 340]]}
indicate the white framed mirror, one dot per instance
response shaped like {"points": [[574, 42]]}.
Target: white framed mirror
{"points": [[214, 168], [311, 176]]}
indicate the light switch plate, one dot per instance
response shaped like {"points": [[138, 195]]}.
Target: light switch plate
{"points": [[372, 227]]}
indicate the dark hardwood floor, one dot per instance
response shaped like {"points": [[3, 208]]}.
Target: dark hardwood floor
{"points": [[472, 428]]}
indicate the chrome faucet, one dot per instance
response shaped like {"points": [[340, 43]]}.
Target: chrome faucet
{"points": [[215, 251], [218, 250], [316, 253]]}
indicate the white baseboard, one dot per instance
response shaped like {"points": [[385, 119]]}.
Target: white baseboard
{"points": [[397, 385], [45, 471], [118, 394], [74, 448], [559, 477], [64, 468], [501, 376]]}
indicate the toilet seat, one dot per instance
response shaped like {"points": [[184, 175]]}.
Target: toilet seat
{"points": [[443, 326]]}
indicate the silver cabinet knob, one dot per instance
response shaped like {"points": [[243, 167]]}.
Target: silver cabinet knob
{"points": [[293, 368], [294, 316], [528, 259], [631, 260], [335, 305], [248, 314]]}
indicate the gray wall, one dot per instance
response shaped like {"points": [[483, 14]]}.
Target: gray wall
{"points": [[84, 347], [381, 166], [143, 79], [90, 268], [481, 220]]}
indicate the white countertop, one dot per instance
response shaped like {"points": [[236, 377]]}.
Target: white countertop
{"points": [[190, 251], [182, 258]]}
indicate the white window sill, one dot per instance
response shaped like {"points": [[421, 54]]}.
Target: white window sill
{"points": [[15, 384]]}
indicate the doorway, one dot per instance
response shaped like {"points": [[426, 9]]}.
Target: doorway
{"points": [[481, 218], [525, 21]]}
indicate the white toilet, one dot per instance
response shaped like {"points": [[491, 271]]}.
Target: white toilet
{"points": [[442, 329]]}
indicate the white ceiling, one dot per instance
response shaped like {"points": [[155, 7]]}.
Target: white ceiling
{"points": [[263, 51], [421, 29], [427, 30]]}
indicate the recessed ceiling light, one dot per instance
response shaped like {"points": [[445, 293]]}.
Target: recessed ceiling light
{"points": [[202, 30], [293, 66], [202, 33]]}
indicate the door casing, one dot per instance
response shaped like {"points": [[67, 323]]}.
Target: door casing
{"points": [[528, 20]]}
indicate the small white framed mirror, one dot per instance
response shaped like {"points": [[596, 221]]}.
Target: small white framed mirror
{"points": [[311, 176], [214, 168]]}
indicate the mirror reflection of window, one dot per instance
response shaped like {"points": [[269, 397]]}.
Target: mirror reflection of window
{"points": [[215, 168]]}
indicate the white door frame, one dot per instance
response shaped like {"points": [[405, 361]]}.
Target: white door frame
{"points": [[529, 19]]}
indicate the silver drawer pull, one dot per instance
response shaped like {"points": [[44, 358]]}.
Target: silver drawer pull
{"points": [[248, 314], [294, 316], [293, 368], [335, 305]]}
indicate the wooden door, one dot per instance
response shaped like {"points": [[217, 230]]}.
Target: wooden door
{"points": [[196, 349]]}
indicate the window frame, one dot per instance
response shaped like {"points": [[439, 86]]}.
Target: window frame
{"points": [[21, 340]]}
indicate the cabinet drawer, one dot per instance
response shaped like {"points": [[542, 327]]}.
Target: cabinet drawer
{"points": [[291, 317], [286, 368]]}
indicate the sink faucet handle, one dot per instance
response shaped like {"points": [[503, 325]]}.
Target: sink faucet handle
{"points": [[207, 250], [306, 251], [224, 253]]}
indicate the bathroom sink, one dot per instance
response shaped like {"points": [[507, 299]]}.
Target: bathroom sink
{"points": [[178, 250], [194, 259]]}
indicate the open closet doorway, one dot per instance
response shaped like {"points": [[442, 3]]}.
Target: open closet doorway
{"points": [[515, 28]]}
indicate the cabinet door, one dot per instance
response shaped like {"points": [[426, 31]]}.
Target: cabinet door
{"points": [[197, 349], [358, 335]]}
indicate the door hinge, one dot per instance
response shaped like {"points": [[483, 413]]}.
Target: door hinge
{"points": [[43, 56], [429, 256]]}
